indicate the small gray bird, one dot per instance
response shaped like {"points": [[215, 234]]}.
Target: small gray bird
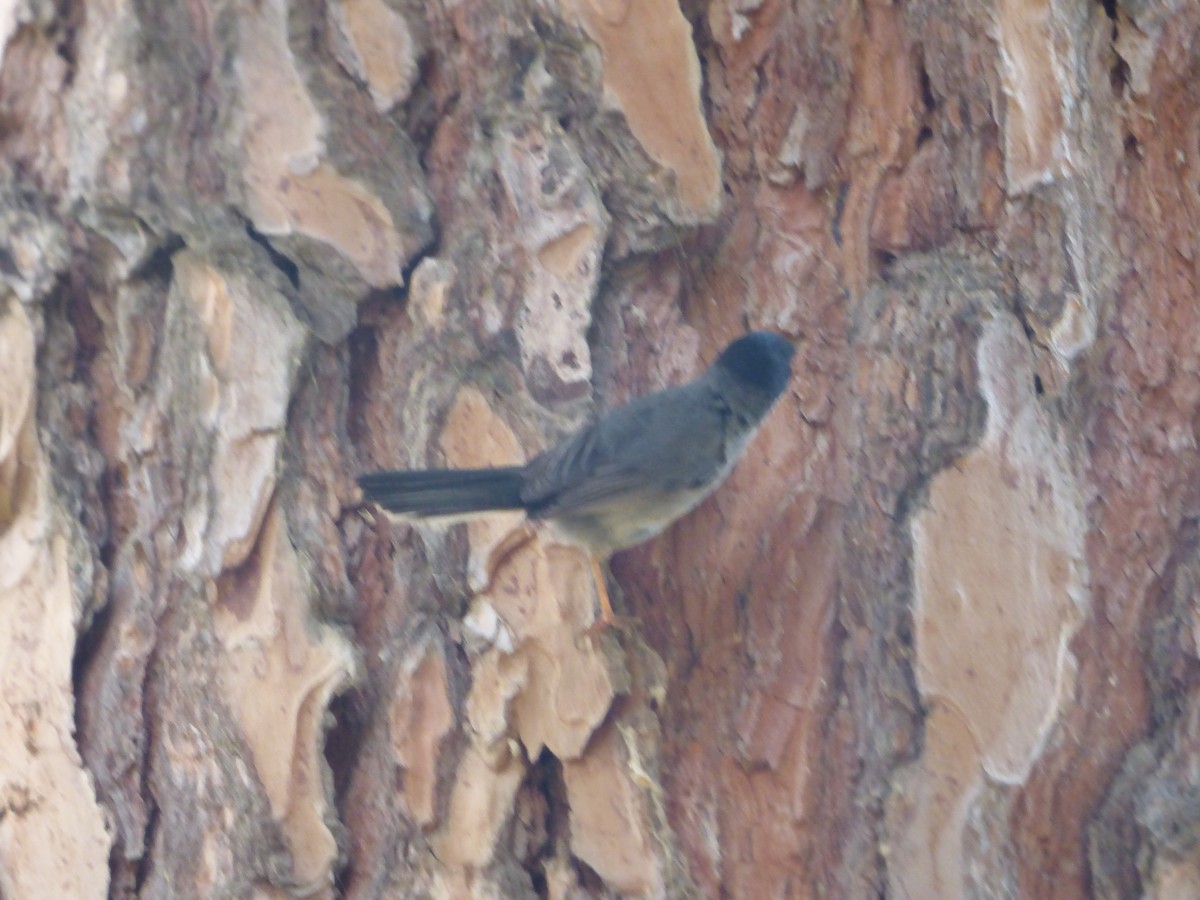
{"points": [[628, 475]]}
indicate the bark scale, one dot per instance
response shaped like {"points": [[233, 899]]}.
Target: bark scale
{"points": [[936, 636]]}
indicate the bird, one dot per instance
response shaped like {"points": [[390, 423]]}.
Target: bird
{"points": [[623, 478]]}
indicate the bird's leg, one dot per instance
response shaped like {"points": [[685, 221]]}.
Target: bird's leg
{"points": [[606, 610]]}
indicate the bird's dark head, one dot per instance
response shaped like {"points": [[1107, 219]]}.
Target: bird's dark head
{"points": [[762, 360]]}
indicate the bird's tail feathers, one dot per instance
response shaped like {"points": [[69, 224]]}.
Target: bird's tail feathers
{"points": [[444, 493]]}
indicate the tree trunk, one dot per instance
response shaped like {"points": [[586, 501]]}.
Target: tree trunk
{"points": [[937, 635]]}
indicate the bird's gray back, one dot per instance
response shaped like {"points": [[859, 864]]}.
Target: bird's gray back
{"points": [[671, 439]]}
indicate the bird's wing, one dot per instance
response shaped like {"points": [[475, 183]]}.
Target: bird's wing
{"points": [[577, 471], [644, 446]]}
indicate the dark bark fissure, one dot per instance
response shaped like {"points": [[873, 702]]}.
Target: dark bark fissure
{"points": [[281, 261]]}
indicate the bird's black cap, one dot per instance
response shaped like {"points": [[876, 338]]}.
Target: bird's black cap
{"points": [[761, 359]]}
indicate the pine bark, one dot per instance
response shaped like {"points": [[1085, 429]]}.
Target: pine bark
{"points": [[935, 637]]}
